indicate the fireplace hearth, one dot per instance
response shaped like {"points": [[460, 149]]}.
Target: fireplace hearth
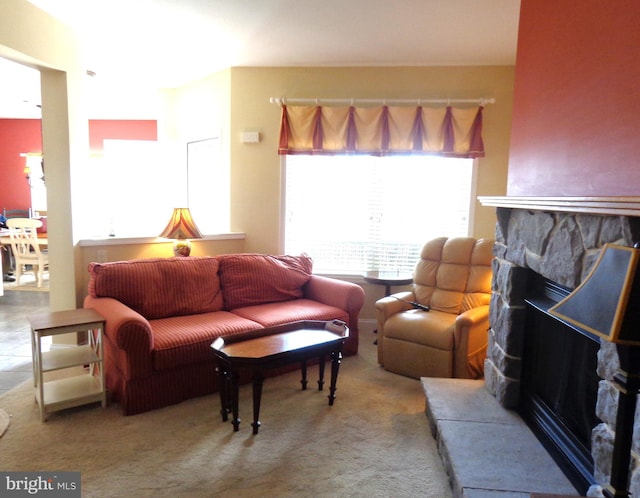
{"points": [[542, 252]]}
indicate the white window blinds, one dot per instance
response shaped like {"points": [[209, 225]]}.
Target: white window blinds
{"points": [[357, 213]]}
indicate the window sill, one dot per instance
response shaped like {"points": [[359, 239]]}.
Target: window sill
{"points": [[347, 277], [122, 241], [351, 277]]}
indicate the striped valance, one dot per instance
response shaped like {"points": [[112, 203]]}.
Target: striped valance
{"points": [[384, 130]]}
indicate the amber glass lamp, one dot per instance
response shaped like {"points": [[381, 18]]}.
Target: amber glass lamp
{"points": [[181, 228]]}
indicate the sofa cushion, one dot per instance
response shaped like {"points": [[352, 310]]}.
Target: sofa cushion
{"points": [[160, 287], [269, 315], [250, 279], [185, 340], [434, 329]]}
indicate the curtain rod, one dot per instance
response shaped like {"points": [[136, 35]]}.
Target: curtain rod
{"points": [[307, 101]]}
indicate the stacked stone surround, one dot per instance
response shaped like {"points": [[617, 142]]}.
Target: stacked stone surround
{"points": [[561, 247]]}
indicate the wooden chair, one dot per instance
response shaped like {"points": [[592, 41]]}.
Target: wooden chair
{"points": [[26, 247], [16, 213]]}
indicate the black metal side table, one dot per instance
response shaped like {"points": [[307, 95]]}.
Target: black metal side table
{"points": [[388, 279]]}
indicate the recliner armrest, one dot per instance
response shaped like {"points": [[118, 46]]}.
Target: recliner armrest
{"points": [[390, 305], [472, 319], [387, 307], [471, 335]]}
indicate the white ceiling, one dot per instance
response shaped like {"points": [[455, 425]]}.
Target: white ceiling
{"points": [[165, 43]]}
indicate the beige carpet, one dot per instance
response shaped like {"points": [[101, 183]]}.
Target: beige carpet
{"points": [[5, 420], [374, 442]]}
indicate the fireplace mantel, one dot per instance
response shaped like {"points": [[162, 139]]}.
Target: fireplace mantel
{"points": [[614, 206]]}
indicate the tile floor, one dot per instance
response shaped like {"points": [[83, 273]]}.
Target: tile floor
{"points": [[15, 340]]}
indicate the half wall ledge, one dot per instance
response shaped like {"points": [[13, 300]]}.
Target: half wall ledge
{"points": [[614, 206], [121, 241]]}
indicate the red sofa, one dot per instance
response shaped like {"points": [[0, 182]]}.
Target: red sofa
{"points": [[163, 314]]}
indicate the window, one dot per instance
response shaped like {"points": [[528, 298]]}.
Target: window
{"points": [[207, 186], [133, 187], [357, 213], [132, 192]]}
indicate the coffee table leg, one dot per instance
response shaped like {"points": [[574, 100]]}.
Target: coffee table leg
{"points": [[223, 381], [303, 369], [235, 394], [258, 380], [321, 362], [336, 357]]}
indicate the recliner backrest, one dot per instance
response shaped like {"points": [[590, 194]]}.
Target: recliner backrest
{"points": [[454, 274]]}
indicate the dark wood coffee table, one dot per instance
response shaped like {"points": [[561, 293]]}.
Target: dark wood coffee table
{"points": [[275, 347]]}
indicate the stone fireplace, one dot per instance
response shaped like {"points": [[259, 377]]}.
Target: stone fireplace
{"points": [[551, 244]]}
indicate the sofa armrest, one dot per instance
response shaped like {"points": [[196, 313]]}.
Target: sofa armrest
{"points": [[385, 308], [471, 335], [339, 293], [127, 331], [126, 328]]}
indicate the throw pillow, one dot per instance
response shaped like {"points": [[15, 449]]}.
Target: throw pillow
{"points": [[250, 279], [160, 287]]}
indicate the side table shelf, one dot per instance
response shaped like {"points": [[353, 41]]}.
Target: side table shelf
{"points": [[87, 385]]}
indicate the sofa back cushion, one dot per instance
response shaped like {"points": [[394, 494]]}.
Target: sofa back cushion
{"points": [[160, 287], [454, 275], [250, 279]]}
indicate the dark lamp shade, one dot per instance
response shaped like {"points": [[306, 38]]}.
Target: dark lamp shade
{"points": [[607, 303], [181, 226]]}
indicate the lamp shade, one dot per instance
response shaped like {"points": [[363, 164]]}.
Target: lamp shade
{"points": [[181, 226], [607, 303]]}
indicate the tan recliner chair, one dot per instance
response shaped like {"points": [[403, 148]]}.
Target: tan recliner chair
{"points": [[452, 278]]}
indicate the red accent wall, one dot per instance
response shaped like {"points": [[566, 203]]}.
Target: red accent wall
{"points": [[576, 109], [16, 136], [24, 135], [99, 130]]}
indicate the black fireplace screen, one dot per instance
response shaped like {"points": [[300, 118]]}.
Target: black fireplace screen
{"points": [[559, 388]]}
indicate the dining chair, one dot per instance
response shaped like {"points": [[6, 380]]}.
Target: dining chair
{"points": [[26, 248], [16, 213]]}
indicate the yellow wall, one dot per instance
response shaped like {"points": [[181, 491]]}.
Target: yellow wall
{"points": [[237, 100], [231, 102], [255, 168]]}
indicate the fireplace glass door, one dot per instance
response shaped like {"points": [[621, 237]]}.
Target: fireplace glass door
{"points": [[559, 389]]}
